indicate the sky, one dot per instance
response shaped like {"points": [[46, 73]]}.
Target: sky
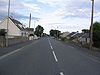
{"points": [[64, 15]]}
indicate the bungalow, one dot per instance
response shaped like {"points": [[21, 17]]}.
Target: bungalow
{"points": [[15, 28], [76, 37], [70, 36], [85, 39], [81, 38], [64, 34]]}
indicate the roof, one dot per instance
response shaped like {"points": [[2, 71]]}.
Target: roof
{"points": [[17, 23], [78, 35], [29, 29], [86, 35], [69, 35]]}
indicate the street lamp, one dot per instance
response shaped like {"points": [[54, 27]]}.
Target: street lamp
{"points": [[91, 27], [8, 23]]}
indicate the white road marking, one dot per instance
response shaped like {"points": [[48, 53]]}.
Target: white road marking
{"points": [[2, 57], [51, 47], [15, 51], [61, 73], [50, 44], [55, 56]]}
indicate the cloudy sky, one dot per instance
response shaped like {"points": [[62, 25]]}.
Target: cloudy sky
{"points": [[65, 15]]}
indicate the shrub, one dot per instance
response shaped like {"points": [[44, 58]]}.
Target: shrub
{"points": [[2, 32]]}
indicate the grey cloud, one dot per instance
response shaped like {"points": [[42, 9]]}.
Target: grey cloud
{"points": [[75, 6], [16, 7]]}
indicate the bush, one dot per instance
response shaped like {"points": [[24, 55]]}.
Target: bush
{"points": [[96, 34], [2, 32]]}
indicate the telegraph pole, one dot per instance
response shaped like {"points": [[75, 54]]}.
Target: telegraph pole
{"points": [[91, 27], [8, 23], [30, 20], [29, 26]]}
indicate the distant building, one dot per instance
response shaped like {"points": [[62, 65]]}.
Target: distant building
{"points": [[81, 38], [70, 36], [64, 34], [85, 39], [30, 33]]}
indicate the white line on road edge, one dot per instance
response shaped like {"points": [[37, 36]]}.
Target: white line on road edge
{"points": [[9, 54], [55, 56], [61, 73], [50, 44], [4, 56]]}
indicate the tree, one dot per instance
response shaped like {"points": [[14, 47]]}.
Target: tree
{"points": [[96, 34], [2, 32], [85, 30], [39, 30], [55, 33]]}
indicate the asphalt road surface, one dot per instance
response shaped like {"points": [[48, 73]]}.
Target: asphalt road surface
{"points": [[48, 56]]}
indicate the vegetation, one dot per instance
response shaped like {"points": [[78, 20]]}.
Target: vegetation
{"points": [[39, 31], [55, 33], [2, 32], [96, 34], [85, 31]]}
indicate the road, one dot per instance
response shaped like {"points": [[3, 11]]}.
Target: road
{"points": [[48, 56]]}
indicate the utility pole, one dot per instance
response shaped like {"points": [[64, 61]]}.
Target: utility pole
{"points": [[30, 20], [91, 27], [29, 26], [8, 23]]}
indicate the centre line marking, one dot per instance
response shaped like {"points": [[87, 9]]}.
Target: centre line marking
{"points": [[50, 44], [61, 73], [55, 56]]}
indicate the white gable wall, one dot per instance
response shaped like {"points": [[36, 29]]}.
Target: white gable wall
{"points": [[13, 30]]}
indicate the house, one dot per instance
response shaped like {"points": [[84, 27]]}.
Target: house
{"points": [[15, 28], [64, 34], [70, 36], [80, 38], [76, 37], [85, 39], [30, 33]]}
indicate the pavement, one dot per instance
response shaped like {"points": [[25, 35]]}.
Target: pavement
{"points": [[48, 56]]}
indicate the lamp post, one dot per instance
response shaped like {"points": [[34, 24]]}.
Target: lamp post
{"points": [[8, 23], [91, 27]]}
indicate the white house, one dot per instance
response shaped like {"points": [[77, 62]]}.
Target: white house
{"points": [[15, 28]]}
